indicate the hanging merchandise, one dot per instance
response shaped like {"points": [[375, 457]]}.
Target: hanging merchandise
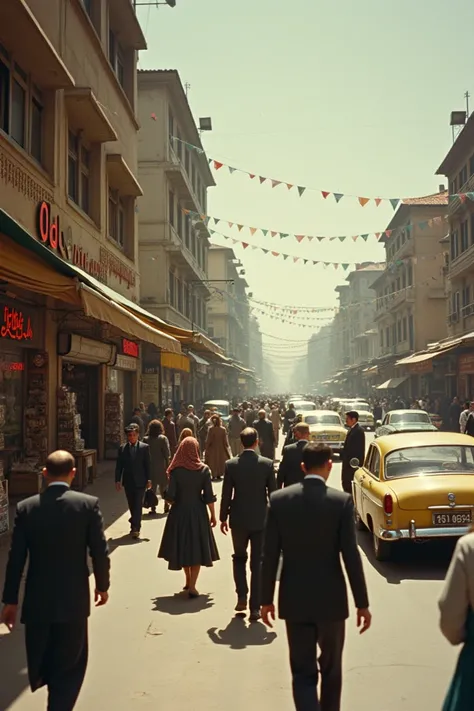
{"points": [[381, 234], [273, 182]]}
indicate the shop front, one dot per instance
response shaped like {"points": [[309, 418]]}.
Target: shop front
{"points": [[175, 379], [465, 378], [199, 378], [122, 377]]}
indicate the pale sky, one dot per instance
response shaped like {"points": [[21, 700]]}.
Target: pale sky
{"points": [[350, 97]]}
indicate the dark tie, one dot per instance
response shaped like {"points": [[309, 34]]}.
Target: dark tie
{"points": [[133, 449]]}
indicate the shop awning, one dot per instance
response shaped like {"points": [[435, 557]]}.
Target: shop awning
{"points": [[40, 277], [197, 359], [242, 369], [176, 361], [101, 308], [33, 50], [86, 114], [392, 383], [421, 357]]}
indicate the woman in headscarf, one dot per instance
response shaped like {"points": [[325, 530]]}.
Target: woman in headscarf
{"points": [[188, 540], [457, 622], [217, 448], [160, 458], [187, 432]]}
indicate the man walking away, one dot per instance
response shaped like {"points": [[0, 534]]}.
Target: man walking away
{"points": [[55, 530], [235, 427], [313, 526], [354, 447], [248, 483], [276, 422], [192, 415], [203, 430], [250, 415], [133, 473], [288, 418], [455, 410], [289, 471], [187, 420], [266, 438], [137, 420], [170, 430]]}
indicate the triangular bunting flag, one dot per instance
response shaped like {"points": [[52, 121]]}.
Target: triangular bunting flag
{"points": [[394, 202], [306, 261], [275, 183], [276, 254], [295, 259], [335, 265], [388, 232], [409, 227], [365, 237], [186, 211], [423, 225], [377, 201], [355, 237], [301, 190], [217, 220], [264, 232], [273, 234], [342, 238], [255, 246], [212, 232], [289, 186], [231, 224], [300, 238], [153, 116], [231, 170], [320, 239], [262, 179], [377, 235], [331, 239], [285, 256], [463, 197], [265, 251], [470, 196], [363, 201], [283, 235], [217, 165], [240, 227], [245, 245], [252, 230], [202, 218], [325, 194], [210, 161], [309, 237], [338, 196], [345, 266], [251, 176]]}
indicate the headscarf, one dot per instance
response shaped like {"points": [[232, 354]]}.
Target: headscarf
{"points": [[186, 432], [187, 456]]}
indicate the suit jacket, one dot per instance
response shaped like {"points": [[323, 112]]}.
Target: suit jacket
{"points": [[289, 471], [133, 472], [248, 482], [55, 530], [170, 432], [313, 526], [354, 446]]}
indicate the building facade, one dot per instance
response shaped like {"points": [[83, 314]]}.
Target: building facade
{"points": [[360, 312]]}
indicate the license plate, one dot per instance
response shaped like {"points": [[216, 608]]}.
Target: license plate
{"points": [[452, 518]]}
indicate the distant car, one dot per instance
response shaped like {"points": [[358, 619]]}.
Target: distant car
{"points": [[436, 420], [303, 405], [405, 421], [415, 487], [325, 427], [221, 407]]}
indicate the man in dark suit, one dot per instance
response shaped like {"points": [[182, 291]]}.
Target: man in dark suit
{"points": [[354, 446], [266, 435], [55, 530], [312, 525], [248, 482], [289, 471], [132, 471]]}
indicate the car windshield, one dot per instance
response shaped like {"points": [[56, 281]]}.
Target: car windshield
{"points": [[323, 420], [429, 461], [304, 405], [363, 406], [410, 417], [222, 410]]}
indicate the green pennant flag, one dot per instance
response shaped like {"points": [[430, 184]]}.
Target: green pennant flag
{"points": [[283, 235], [217, 220], [365, 237], [342, 238], [345, 266], [264, 232], [394, 202], [285, 256], [301, 190], [306, 261], [232, 170]]}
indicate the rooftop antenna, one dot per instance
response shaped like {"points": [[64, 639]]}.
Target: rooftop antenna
{"points": [[467, 96], [187, 87], [458, 121]]}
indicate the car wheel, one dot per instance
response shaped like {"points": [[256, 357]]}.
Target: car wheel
{"points": [[359, 524], [381, 548]]}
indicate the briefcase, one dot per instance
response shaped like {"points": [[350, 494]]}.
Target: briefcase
{"points": [[151, 500]]}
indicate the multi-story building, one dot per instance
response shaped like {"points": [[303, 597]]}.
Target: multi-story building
{"points": [[363, 337], [410, 307], [319, 365], [339, 343]]}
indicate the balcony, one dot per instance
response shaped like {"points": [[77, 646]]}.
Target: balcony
{"points": [[456, 203], [462, 264], [404, 296], [179, 179]]}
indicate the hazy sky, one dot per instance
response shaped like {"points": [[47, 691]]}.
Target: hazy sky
{"points": [[352, 97]]}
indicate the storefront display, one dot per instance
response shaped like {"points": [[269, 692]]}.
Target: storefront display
{"points": [[69, 422], [36, 422], [114, 424], [12, 371], [82, 381], [4, 522]]}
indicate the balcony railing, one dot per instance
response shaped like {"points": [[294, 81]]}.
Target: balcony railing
{"points": [[456, 203], [462, 264], [177, 169]]}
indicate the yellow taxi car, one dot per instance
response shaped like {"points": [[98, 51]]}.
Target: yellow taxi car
{"points": [[326, 427], [415, 486]]}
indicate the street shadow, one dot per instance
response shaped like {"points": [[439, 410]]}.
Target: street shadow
{"points": [[181, 604], [419, 560], [125, 540], [14, 672], [239, 635]]}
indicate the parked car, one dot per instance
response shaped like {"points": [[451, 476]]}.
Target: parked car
{"points": [[325, 427], [414, 486], [303, 405], [221, 407], [405, 421]]}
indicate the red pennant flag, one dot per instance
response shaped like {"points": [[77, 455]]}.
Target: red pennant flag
{"points": [[355, 237], [231, 224], [186, 211], [325, 194], [289, 186], [377, 235], [363, 201], [262, 179], [251, 176], [300, 238], [273, 234], [245, 245], [276, 254], [388, 232], [463, 197], [378, 201], [217, 165], [153, 116], [252, 230], [275, 183]]}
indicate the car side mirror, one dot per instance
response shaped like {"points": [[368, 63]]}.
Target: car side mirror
{"points": [[379, 423], [355, 464]]}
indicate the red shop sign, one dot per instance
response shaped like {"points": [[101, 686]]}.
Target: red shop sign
{"points": [[15, 325], [49, 231], [130, 348], [466, 363]]}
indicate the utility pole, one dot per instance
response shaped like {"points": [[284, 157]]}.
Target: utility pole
{"points": [[467, 96], [187, 87]]}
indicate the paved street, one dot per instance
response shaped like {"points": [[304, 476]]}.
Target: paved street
{"points": [[152, 649]]}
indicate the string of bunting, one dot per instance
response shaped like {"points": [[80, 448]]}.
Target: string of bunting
{"points": [[262, 179], [206, 219]]}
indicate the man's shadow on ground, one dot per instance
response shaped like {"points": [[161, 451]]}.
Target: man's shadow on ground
{"points": [[181, 604], [239, 635]]}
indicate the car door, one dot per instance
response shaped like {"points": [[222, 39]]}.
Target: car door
{"points": [[370, 495], [360, 481]]}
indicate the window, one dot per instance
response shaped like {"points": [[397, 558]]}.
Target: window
{"points": [[381, 338], [466, 296], [387, 337], [410, 274], [454, 245], [404, 328], [374, 467], [455, 302], [116, 218], [171, 208], [116, 57], [453, 187], [36, 128], [462, 177], [78, 172], [464, 233], [179, 289], [18, 113], [179, 222], [172, 288], [187, 231], [471, 165], [399, 331], [4, 97]]}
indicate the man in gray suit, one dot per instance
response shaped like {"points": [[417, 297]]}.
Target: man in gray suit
{"points": [[248, 482]]}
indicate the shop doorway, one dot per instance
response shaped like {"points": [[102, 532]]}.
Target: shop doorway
{"points": [[84, 381]]}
